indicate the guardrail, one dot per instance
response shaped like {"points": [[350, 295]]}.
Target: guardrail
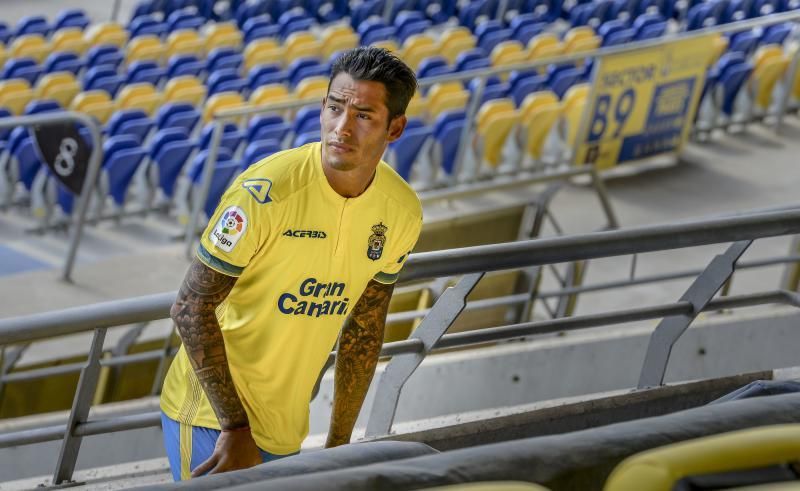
{"points": [[472, 262]]}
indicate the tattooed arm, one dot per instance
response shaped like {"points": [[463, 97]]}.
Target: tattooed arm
{"points": [[194, 314], [359, 346]]}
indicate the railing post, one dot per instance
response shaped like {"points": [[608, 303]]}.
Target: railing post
{"points": [[433, 326], [464, 143], [205, 186], [699, 294], [87, 383], [115, 10]]}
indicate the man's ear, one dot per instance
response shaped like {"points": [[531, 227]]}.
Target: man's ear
{"points": [[396, 127]]}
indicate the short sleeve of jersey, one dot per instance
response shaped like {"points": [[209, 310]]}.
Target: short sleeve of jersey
{"points": [[234, 233], [391, 270]]}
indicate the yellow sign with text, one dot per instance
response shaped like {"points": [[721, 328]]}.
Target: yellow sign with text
{"points": [[643, 103]]}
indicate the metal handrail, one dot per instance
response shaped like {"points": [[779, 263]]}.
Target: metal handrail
{"points": [[450, 262]]}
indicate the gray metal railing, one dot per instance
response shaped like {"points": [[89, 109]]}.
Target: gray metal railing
{"points": [[472, 262], [90, 180]]}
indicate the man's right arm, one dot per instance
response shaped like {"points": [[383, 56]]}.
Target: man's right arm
{"points": [[194, 314]]}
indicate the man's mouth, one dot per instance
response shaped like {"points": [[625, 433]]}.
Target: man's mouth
{"points": [[340, 147]]}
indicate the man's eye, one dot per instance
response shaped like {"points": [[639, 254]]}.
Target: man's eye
{"points": [[333, 108], [363, 115]]}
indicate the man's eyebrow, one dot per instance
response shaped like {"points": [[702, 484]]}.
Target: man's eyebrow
{"points": [[364, 109]]}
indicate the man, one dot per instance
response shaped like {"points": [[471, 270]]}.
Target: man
{"points": [[304, 247]]}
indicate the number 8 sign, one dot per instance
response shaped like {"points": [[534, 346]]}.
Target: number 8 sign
{"points": [[643, 102]]}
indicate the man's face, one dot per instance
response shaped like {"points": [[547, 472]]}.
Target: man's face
{"points": [[355, 123]]}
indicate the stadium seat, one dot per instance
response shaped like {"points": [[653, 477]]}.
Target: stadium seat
{"points": [[260, 27], [521, 88], [745, 42], [145, 25], [61, 87], [456, 40], [28, 162], [337, 38], [184, 42], [544, 46], [223, 35], [224, 171], [15, 95], [508, 53], [776, 34], [263, 51], [270, 94], [104, 55], [184, 20], [536, 125], [223, 58], [21, 68], [433, 66], [122, 156], [580, 39], [225, 80], [103, 77], [179, 115], [96, 103], [145, 71], [769, 66], [301, 44], [69, 18], [132, 122], [447, 137], [730, 80], [495, 121], [572, 108], [222, 101], [142, 96], [183, 65], [30, 46], [406, 149], [560, 79], [106, 33], [267, 127], [257, 151], [69, 39], [473, 59], [266, 74], [32, 24], [185, 88], [170, 150], [312, 87], [418, 47], [146, 47]]}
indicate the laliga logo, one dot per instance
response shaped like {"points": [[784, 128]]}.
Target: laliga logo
{"points": [[65, 160]]}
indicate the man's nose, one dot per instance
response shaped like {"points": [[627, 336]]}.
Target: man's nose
{"points": [[344, 124]]}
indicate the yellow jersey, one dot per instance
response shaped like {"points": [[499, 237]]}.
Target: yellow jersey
{"points": [[303, 255]]}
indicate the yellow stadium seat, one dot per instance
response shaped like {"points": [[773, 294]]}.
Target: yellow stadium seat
{"points": [[95, 103], [142, 96], [223, 35], [334, 31], [106, 33], [416, 106], [15, 94], [300, 45], [454, 101], [536, 125], [59, 86], [572, 108], [441, 89], [583, 45], [339, 43], [454, 33], [660, 468], [145, 47], [311, 87], [185, 42], [30, 46], [69, 39], [765, 76], [389, 45], [720, 44], [3, 54], [544, 46], [491, 108], [417, 48], [493, 135], [262, 51], [186, 88], [456, 47], [508, 53], [270, 94], [575, 35], [536, 99], [222, 101]]}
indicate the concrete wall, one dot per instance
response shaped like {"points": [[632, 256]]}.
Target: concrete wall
{"points": [[509, 374]]}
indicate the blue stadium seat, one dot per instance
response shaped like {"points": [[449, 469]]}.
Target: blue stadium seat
{"points": [[611, 26], [730, 82], [170, 150], [24, 68], [5, 33], [448, 137], [71, 18], [473, 59], [32, 24], [64, 198], [438, 10], [323, 69], [63, 61], [698, 17], [104, 55], [619, 37], [224, 81], [486, 27], [561, 78], [231, 137], [260, 27], [129, 122], [407, 147], [651, 31], [764, 7], [643, 21], [295, 71], [306, 119], [404, 11], [145, 71], [258, 150], [527, 86], [224, 58], [267, 124], [366, 27], [776, 34], [469, 15], [184, 19], [146, 24], [305, 138], [364, 11], [412, 28], [527, 32], [177, 115], [745, 42], [489, 41], [247, 11], [38, 106], [144, 7], [433, 66], [297, 25], [122, 156], [265, 74], [180, 65], [28, 161], [224, 171], [386, 33], [103, 77]]}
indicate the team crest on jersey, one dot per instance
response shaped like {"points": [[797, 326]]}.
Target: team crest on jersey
{"points": [[230, 229], [376, 241], [258, 189]]}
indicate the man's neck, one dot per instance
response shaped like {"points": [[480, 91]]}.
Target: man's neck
{"points": [[349, 184]]}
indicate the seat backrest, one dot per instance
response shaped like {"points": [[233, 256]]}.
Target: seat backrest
{"points": [[69, 39], [106, 33], [312, 87], [220, 101], [269, 94]]}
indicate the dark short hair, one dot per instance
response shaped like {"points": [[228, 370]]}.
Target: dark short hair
{"points": [[379, 65]]}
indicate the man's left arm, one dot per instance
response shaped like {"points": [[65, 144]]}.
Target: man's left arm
{"points": [[359, 347]]}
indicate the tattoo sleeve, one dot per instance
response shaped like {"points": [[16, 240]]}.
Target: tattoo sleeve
{"points": [[359, 347], [194, 315]]}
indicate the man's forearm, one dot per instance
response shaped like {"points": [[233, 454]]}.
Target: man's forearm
{"points": [[195, 317], [356, 358]]}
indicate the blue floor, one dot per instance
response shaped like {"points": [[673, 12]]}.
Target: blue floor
{"points": [[12, 262]]}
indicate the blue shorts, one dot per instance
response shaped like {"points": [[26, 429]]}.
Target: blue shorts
{"points": [[189, 446]]}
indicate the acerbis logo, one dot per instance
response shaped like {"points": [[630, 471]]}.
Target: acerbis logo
{"points": [[311, 234]]}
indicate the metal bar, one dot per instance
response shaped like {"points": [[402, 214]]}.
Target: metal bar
{"points": [[387, 11], [165, 353], [436, 323], [790, 280], [444, 263], [415, 345], [80, 410], [788, 87], [205, 185], [602, 194], [115, 10], [671, 328], [464, 144]]}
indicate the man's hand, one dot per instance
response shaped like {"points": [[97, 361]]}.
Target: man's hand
{"points": [[234, 450]]}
